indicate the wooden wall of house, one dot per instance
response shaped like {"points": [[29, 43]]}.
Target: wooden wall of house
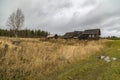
{"points": [[90, 36]]}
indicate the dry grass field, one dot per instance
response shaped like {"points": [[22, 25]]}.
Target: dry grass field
{"points": [[37, 59]]}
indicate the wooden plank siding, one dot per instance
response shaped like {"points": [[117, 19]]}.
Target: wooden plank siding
{"points": [[87, 34]]}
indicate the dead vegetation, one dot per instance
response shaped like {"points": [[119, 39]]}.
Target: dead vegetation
{"points": [[35, 58]]}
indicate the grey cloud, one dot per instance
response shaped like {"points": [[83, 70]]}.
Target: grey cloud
{"points": [[60, 16], [88, 3], [96, 17]]}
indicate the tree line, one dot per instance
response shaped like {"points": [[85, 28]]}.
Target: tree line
{"points": [[24, 33]]}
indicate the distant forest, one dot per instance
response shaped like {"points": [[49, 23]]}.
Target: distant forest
{"points": [[24, 33]]}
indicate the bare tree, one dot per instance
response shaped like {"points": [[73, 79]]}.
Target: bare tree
{"points": [[16, 21]]}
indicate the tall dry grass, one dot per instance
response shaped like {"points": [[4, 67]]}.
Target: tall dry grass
{"points": [[35, 58]]}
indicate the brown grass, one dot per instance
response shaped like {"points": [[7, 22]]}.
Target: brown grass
{"points": [[34, 58]]}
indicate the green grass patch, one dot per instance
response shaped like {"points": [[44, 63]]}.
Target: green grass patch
{"points": [[93, 68]]}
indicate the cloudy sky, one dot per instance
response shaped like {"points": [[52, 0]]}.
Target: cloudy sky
{"points": [[60, 16]]}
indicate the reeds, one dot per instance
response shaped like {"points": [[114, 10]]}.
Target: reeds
{"points": [[34, 58]]}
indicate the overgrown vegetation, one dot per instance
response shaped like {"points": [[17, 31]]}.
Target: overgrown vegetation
{"points": [[95, 69], [39, 59]]}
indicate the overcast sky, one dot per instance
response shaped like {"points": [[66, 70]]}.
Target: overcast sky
{"points": [[60, 16]]}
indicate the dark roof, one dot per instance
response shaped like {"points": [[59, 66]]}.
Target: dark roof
{"points": [[68, 34], [81, 33], [92, 31], [72, 34], [78, 32]]}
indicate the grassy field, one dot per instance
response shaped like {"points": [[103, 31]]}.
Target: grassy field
{"points": [[41, 59]]}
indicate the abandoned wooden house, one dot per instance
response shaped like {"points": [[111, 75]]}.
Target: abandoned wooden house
{"points": [[87, 34], [91, 34]]}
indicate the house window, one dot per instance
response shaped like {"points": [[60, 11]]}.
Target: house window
{"points": [[90, 36], [93, 36]]}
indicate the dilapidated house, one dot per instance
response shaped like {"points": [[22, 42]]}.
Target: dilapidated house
{"points": [[87, 34], [91, 34]]}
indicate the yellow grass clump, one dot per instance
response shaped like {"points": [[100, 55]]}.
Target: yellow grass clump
{"points": [[36, 57]]}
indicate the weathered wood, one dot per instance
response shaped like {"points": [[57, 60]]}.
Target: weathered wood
{"points": [[87, 34]]}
